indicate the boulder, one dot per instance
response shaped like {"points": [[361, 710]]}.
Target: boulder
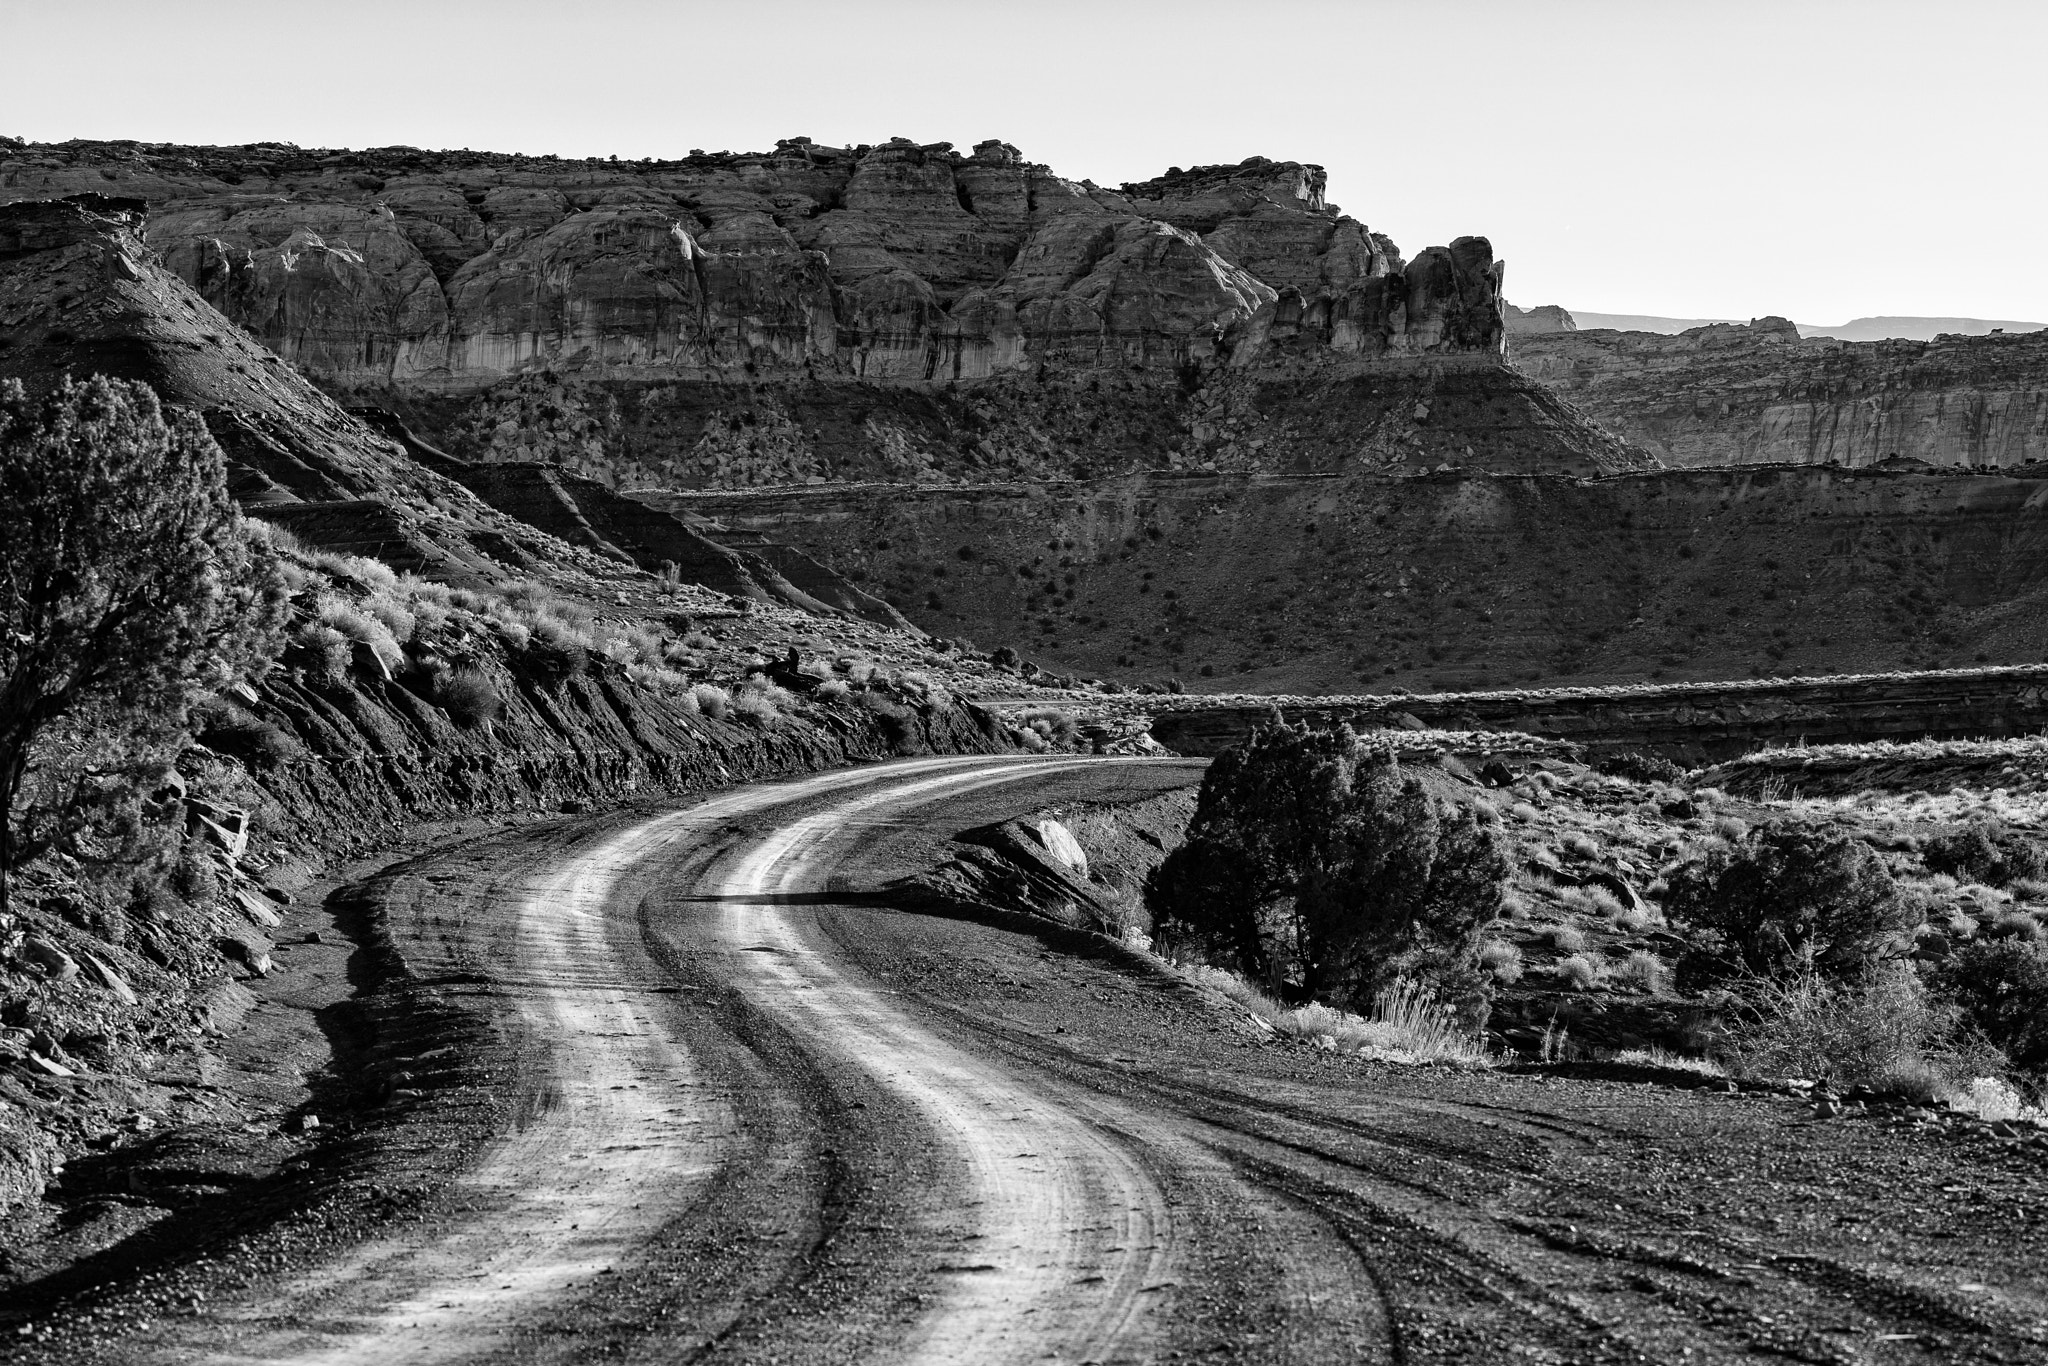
{"points": [[55, 964]]}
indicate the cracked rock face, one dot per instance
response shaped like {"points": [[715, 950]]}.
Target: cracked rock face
{"points": [[898, 262]]}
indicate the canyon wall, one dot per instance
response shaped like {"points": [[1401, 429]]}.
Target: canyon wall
{"points": [[898, 261], [1730, 394], [900, 311], [1334, 583]]}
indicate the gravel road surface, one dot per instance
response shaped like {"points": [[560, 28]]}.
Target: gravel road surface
{"points": [[738, 1109]]}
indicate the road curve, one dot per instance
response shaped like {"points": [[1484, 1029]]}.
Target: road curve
{"points": [[745, 1115], [1052, 1230], [1065, 1229]]}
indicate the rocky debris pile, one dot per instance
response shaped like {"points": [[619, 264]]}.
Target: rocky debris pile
{"points": [[1730, 394]]}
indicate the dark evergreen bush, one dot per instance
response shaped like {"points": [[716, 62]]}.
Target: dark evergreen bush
{"points": [[1984, 851], [222, 726], [467, 696], [1317, 867], [554, 657], [2001, 987], [129, 587], [1789, 898]]}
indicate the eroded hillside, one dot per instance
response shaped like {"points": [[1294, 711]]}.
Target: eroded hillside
{"points": [[1343, 583]]}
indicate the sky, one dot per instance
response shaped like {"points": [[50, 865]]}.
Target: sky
{"points": [[1819, 159]]}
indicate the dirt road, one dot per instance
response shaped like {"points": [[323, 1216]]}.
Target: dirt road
{"points": [[744, 1113]]}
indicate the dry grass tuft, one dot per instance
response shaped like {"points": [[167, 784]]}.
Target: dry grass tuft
{"points": [[1579, 972], [1502, 959]]}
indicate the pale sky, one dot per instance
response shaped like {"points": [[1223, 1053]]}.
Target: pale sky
{"points": [[1822, 159]]}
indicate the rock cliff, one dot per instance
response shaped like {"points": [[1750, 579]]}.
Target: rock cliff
{"points": [[1522, 322], [1729, 394], [898, 261], [814, 312]]}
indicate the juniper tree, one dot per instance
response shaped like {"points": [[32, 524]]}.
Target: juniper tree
{"points": [[128, 586], [1317, 865]]}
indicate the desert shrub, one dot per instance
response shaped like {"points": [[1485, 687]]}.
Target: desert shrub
{"points": [[1314, 863], [1734, 829], [467, 696], [1053, 726], [761, 703], [663, 680], [1579, 846], [331, 652], [1644, 971], [1633, 919], [1886, 1031], [921, 688], [895, 719], [554, 652], [1639, 767], [1653, 1056], [2001, 989], [773, 692], [834, 690], [1579, 972], [373, 574], [528, 596], [392, 614], [2013, 925], [229, 729], [1591, 900], [1984, 851], [193, 876], [339, 614], [1522, 811], [1502, 959], [1790, 899], [712, 700], [700, 641], [1566, 938], [430, 618]]}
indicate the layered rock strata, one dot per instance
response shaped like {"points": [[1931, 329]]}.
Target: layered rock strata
{"points": [[1730, 394], [820, 313], [80, 293], [1691, 723], [899, 261]]}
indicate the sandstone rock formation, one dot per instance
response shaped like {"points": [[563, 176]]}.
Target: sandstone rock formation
{"points": [[80, 293], [1522, 322], [1728, 394], [896, 310], [899, 262]]}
